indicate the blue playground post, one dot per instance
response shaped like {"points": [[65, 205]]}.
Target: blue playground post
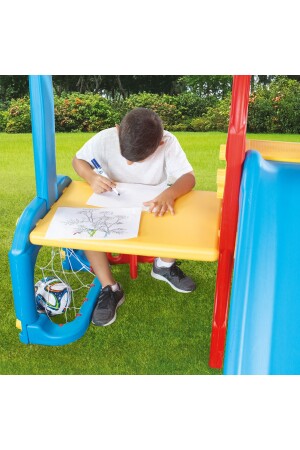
{"points": [[36, 328], [43, 136]]}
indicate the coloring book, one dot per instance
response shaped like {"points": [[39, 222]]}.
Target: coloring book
{"points": [[94, 223]]}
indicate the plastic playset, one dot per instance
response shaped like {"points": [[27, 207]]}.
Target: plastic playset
{"points": [[250, 226]]}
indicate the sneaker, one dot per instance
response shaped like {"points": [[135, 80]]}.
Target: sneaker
{"points": [[105, 312], [174, 276]]}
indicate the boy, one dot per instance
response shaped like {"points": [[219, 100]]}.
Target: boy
{"points": [[137, 151]]}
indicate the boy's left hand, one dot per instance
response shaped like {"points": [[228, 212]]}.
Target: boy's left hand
{"points": [[161, 204]]}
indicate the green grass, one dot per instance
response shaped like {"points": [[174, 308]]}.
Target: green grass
{"points": [[158, 330]]}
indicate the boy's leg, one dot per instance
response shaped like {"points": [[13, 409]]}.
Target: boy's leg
{"points": [[167, 260], [112, 294], [166, 269], [101, 267]]}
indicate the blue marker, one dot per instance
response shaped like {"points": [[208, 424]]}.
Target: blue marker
{"points": [[100, 171]]}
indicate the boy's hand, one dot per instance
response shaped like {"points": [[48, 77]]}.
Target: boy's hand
{"points": [[101, 184], [162, 203]]}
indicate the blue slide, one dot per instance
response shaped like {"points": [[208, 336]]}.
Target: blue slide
{"points": [[264, 317]]}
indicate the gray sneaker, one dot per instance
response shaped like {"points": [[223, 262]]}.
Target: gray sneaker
{"points": [[174, 276], [105, 312]]}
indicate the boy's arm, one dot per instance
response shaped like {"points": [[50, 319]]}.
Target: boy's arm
{"points": [[97, 182], [165, 201]]}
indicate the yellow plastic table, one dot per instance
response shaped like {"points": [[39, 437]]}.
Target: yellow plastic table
{"points": [[192, 233]]}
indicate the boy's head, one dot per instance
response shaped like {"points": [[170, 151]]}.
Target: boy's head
{"points": [[140, 133]]}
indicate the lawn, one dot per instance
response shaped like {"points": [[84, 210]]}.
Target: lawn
{"points": [[158, 330]]}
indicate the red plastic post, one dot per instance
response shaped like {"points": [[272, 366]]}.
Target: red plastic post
{"points": [[118, 259], [235, 155], [133, 266], [145, 259], [132, 260]]}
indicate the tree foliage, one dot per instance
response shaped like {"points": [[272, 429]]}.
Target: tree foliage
{"points": [[116, 86], [207, 85], [12, 87]]}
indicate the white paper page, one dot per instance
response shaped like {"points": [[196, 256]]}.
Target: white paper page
{"points": [[131, 195], [94, 223]]}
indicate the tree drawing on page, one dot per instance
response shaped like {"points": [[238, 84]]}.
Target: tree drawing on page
{"points": [[93, 220]]}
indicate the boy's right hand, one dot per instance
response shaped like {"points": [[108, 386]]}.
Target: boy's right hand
{"points": [[100, 184]]}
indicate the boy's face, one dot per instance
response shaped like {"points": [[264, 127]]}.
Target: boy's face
{"points": [[132, 162]]}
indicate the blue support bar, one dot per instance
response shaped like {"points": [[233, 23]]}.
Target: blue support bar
{"points": [[43, 135], [37, 328], [22, 257]]}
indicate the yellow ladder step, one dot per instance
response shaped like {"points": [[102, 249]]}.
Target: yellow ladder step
{"points": [[221, 176], [222, 154]]}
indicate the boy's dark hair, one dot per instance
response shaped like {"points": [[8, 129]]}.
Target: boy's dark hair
{"points": [[140, 134]]}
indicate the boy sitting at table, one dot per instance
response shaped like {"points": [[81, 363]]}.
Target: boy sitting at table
{"points": [[137, 151]]}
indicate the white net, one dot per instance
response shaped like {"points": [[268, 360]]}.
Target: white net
{"points": [[66, 266]]}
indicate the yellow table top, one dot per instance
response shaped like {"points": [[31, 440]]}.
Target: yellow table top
{"points": [[192, 233]]}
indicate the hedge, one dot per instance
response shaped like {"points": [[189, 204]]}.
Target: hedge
{"points": [[274, 108], [175, 111], [91, 112]]}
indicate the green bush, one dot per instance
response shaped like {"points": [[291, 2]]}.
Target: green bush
{"points": [[83, 112], [260, 112], [179, 127], [200, 124], [74, 112], [175, 111], [216, 118], [18, 116], [192, 105], [3, 120], [161, 104]]}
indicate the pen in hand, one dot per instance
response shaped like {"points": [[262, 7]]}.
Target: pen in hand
{"points": [[100, 171]]}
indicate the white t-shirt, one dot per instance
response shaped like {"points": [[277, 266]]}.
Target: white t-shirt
{"points": [[167, 163]]}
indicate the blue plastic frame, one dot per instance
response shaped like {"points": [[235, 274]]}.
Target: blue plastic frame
{"points": [[37, 328]]}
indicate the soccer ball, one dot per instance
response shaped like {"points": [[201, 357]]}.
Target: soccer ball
{"points": [[52, 296]]}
